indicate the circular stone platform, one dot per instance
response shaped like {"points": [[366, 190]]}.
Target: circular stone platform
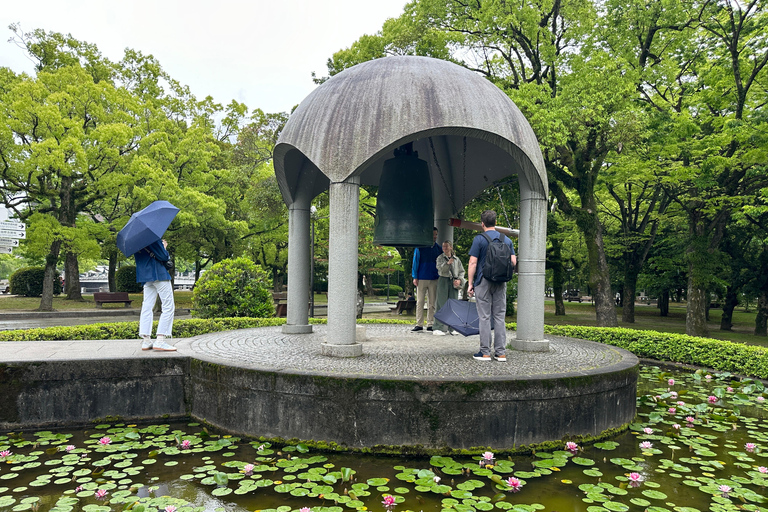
{"points": [[408, 389]]}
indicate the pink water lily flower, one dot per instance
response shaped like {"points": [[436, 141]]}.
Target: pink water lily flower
{"points": [[185, 444], [690, 419], [389, 501], [671, 382], [488, 456], [729, 389], [100, 494], [69, 448], [78, 488], [514, 483], [646, 445], [260, 448], [635, 479], [248, 469], [750, 447], [673, 394], [761, 399], [762, 469], [681, 403], [5, 453], [170, 508], [648, 430], [672, 410], [725, 490], [571, 446], [305, 509], [712, 399], [105, 441], [676, 426], [708, 377]]}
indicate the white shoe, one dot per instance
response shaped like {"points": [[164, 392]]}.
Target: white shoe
{"points": [[438, 333], [146, 343], [162, 345]]}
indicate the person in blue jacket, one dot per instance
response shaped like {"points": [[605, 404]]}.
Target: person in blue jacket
{"points": [[151, 271], [425, 276]]}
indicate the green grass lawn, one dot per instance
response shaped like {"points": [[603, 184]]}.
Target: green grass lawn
{"points": [[9, 303]]}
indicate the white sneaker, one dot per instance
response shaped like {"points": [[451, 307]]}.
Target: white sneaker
{"points": [[438, 333], [162, 345], [146, 343]]}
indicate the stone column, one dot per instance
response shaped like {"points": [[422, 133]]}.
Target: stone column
{"points": [[531, 265], [344, 200], [297, 321]]}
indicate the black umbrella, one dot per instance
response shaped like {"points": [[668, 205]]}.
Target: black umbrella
{"points": [[461, 316]]}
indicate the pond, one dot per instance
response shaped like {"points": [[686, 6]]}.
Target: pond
{"points": [[700, 443]]}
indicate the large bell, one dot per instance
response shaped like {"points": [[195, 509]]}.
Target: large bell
{"points": [[404, 212]]}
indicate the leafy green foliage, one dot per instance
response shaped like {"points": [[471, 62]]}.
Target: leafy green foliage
{"points": [[125, 278], [28, 281], [233, 288]]}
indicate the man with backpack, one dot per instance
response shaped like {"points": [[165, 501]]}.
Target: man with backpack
{"points": [[491, 264]]}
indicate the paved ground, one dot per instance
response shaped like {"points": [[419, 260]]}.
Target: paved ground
{"points": [[391, 351]]}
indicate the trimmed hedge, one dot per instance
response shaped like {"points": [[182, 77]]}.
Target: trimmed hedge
{"points": [[722, 355], [125, 280], [28, 281]]}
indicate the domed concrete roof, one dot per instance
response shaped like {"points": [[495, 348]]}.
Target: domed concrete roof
{"points": [[468, 130]]}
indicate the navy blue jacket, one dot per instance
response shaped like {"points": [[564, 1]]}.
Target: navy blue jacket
{"points": [[152, 269], [425, 262]]}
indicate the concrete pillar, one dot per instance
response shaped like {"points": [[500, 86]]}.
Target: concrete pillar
{"points": [[344, 200], [531, 266], [297, 317]]}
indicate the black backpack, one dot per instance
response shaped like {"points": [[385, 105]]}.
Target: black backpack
{"points": [[498, 266]]}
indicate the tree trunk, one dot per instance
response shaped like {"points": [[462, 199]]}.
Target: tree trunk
{"points": [[360, 295], [696, 310], [558, 276], [72, 271], [761, 320], [731, 301], [600, 279], [46, 301], [369, 286], [628, 291], [664, 303], [111, 279]]}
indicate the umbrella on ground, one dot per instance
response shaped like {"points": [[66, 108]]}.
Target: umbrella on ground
{"points": [[146, 226], [461, 316]]}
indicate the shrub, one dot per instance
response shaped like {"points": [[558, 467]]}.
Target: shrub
{"points": [[382, 290], [125, 280], [28, 281], [233, 288]]}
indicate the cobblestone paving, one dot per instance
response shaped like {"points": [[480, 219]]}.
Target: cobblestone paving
{"points": [[393, 351]]}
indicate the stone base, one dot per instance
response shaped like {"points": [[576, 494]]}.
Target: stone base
{"points": [[530, 345], [297, 329], [353, 350], [360, 334]]}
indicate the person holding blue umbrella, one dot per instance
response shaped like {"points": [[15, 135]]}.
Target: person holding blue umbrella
{"points": [[142, 238], [151, 270]]}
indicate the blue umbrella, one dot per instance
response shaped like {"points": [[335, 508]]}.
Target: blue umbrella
{"points": [[461, 316], [146, 226]]}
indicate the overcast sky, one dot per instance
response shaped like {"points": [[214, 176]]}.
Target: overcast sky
{"points": [[261, 53]]}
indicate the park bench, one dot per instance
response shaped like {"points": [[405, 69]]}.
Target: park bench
{"points": [[281, 303], [110, 298], [406, 306]]}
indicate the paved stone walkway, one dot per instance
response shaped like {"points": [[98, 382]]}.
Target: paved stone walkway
{"points": [[391, 351]]}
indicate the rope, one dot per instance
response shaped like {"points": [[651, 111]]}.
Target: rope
{"points": [[503, 208], [440, 171]]}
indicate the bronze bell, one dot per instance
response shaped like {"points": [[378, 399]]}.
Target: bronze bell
{"points": [[404, 212]]}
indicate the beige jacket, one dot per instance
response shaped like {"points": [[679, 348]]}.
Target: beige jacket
{"points": [[456, 268]]}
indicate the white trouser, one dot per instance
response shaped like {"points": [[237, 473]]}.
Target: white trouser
{"points": [[151, 290]]}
